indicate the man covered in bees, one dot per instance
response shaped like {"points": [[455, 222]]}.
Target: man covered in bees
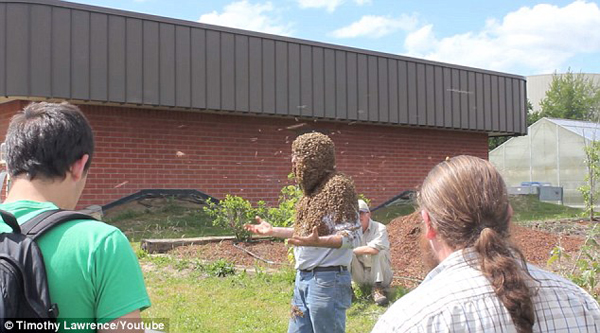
{"points": [[325, 231]]}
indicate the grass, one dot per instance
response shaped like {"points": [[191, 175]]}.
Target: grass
{"points": [[197, 303], [195, 300], [386, 214], [529, 208], [170, 221]]}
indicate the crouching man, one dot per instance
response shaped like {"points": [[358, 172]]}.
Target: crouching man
{"points": [[371, 264]]}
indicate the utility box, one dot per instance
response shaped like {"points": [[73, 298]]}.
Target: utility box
{"points": [[551, 193]]}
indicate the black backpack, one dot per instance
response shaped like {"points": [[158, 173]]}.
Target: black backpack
{"points": [[23, 284]]}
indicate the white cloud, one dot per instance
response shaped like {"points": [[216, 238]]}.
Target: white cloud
{"points": [[539, 39], [376, 26], [248, 16], [330, 5]]}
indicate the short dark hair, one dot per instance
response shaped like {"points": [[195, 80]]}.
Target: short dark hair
{"points": [[45, 139]]}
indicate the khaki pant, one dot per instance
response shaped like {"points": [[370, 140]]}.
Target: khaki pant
{"points": [[370, 269]]}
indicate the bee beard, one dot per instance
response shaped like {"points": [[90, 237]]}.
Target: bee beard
{"points": [[309, 177]]}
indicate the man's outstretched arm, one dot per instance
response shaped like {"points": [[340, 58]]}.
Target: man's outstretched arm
{"points": [[265, 228]]}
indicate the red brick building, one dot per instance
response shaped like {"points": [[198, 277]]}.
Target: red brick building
{"points": [[183, 105]]}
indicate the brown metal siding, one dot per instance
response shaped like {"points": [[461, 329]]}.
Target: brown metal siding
{"points": [[227, 72], [306, 81], [17, 54], [61, 50], [455, 97], [116, 55], [421, 95], [363, 93], [41, 48], [99, 57], [80, 62], [166, 63], [329, 80], [403, 92], [213, 70], [472, 101], [268, 76], [294, 104], [439, 95], [341, 86], [198, 71]]}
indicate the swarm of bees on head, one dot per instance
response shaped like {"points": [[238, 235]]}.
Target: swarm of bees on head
{"points": [[329, 200]]}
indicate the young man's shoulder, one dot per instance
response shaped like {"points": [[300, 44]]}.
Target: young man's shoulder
{"points": [[76, 228]]}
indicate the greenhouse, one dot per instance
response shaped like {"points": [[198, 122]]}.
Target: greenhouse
{"points": [[552, 153]]}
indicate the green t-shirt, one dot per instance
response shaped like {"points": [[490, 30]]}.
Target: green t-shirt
{"points": [[91, 268]]}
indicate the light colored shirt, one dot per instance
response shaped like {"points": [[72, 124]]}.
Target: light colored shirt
{"points": [[308, 257], [375, 236], [455, 297]]}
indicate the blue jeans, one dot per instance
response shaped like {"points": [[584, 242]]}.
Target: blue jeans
{"points": [[320, 302]]}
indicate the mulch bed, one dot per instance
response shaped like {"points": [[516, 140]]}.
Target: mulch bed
{"points": [[406, 258]]}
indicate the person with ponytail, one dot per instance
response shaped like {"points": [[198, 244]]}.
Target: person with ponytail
{"points": [[479, 281]]}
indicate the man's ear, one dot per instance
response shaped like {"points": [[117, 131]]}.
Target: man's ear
{"points": [[430, 232], [78, 168]]}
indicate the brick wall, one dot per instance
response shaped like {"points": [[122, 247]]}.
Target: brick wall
{"points": [[250, 156]]}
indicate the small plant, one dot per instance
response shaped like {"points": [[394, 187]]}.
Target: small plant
{"points": [[586, 267], [591, 190], [220, 268], [362, 292], [140, 253], [232, 213]]}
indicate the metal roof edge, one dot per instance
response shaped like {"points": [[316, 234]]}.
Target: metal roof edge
{"points": [[125, 13]]}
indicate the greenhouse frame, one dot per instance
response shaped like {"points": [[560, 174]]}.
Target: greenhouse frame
{"points": [[552, 153]]}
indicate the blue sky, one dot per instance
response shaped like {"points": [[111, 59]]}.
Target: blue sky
{"points": [[519, 37]]}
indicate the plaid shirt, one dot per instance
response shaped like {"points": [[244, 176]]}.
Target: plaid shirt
{"points": [[454, 297]]}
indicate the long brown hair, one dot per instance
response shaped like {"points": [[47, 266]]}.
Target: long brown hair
{"points": [[467, 203]]}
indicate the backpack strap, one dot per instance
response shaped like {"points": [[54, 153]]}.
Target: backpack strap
{"points": [[38, 225], [10, 219]]}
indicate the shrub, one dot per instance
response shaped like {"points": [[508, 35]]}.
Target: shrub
{"points": [[586, 267], [220, 268], [283, 214], [232, 213]]}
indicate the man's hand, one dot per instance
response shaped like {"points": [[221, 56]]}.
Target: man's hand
{"points": [[310, 240], [333, 241], [262, 228]]}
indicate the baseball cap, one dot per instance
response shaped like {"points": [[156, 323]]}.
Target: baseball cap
{"points": [[363, 207]]}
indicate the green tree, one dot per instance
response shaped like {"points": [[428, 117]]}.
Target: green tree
{"points": [[574, 96], [571, 96]]}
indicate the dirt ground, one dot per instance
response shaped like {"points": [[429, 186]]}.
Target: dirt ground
{"points": [[403, 232]]}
